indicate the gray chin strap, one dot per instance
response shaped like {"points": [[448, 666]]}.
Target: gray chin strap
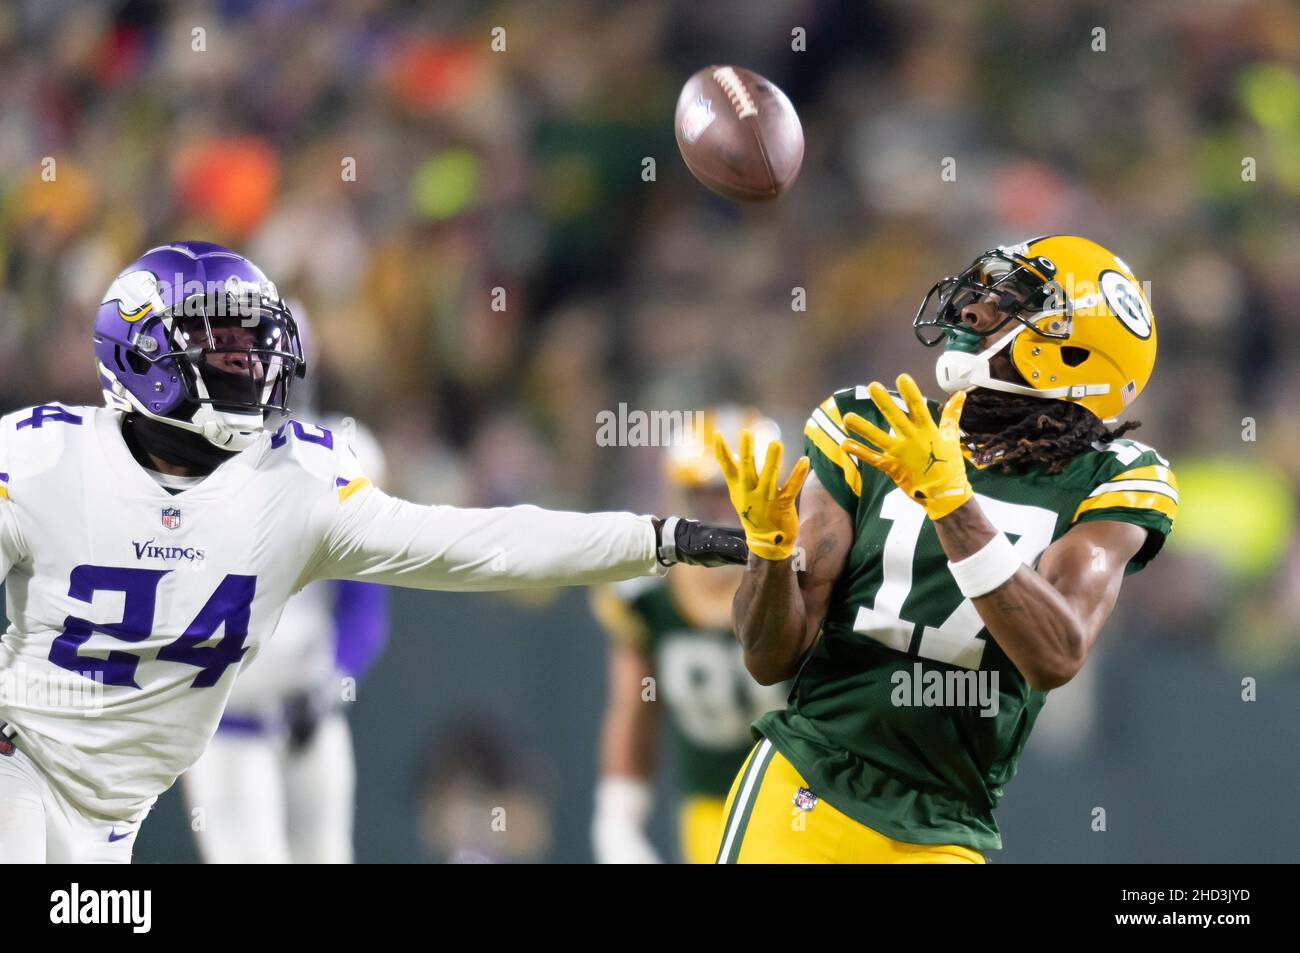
{"points": [[961, 370]]}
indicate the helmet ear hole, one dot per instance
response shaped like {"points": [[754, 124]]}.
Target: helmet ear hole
{"points": [[1073, 356], [138, 363]]}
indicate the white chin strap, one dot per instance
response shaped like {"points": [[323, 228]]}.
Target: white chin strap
{"points": [[228, 431], [232, 432], [961, 370]]}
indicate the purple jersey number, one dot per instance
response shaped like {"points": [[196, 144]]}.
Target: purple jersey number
{"points": [[45, 412], [140, 589], [229, 606], [325, 438]]}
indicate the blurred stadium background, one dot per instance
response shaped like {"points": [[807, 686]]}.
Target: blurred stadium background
{"points": [[522, 170]]}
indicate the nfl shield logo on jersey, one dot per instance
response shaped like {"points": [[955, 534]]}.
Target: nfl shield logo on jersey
{"points": [[171, 517], [805, 800]]}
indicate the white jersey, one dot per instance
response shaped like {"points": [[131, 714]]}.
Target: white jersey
{"points": [[131, 608], [301, 656]]}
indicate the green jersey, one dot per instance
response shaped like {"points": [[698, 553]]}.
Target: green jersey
{"points": [[709, 697], [868, 724]]}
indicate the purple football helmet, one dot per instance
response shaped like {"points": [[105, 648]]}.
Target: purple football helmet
{"points": [[196, 336]]}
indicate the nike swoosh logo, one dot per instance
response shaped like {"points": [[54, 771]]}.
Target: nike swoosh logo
{"points": [[114, 836]]}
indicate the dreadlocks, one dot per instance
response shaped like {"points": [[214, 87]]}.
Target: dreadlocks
{"points": [[1012, 431]]}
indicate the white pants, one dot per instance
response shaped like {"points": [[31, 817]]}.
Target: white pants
{"points": [[38, 825], [252, 801]]}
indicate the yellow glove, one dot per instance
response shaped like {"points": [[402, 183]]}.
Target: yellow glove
{"points": [[767, 513], [923, 458]]}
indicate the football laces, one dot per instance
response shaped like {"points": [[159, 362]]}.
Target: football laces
{"points": [[736, 92]]}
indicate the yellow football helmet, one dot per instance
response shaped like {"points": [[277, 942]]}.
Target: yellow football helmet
{"points": [[1086, 334], [692, 463]]}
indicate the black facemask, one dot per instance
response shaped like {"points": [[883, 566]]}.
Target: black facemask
{"points": [[182, 448]]}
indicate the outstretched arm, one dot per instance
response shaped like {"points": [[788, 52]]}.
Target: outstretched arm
{"points": [[375, 537]]}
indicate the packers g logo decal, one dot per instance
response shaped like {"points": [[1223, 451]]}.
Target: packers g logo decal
{"points": [[1127, 302]]}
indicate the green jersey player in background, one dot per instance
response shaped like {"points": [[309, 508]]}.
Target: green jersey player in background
{"points": [[960, 562], [674, 654]]}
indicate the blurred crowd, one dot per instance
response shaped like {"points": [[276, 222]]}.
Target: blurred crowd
{"points": [[455, 195]]}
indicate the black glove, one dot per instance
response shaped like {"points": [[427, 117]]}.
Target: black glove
{"points": [[699, 544], [303, 713]]}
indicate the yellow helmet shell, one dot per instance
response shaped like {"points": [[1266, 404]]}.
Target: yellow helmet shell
{"points": [[691, 462], [1112, 329]]}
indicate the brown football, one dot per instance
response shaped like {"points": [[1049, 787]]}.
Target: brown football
{"points": [[738, 133]]}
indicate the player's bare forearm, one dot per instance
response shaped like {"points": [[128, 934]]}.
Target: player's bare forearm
{"points": [[1046, 620], [1028, 618], [628, 735], [768, 612], [778, 611]]}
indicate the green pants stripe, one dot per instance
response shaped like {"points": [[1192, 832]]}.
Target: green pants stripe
{"points": [[738, 818]]}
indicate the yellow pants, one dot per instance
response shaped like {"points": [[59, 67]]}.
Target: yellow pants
{"points": [[772, 818], [698, 821]]}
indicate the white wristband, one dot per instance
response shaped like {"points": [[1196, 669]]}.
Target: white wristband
{"points": [[667, 554], [980, 574]]}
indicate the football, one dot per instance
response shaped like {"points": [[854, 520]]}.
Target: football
{"points": [[738, 134]]}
